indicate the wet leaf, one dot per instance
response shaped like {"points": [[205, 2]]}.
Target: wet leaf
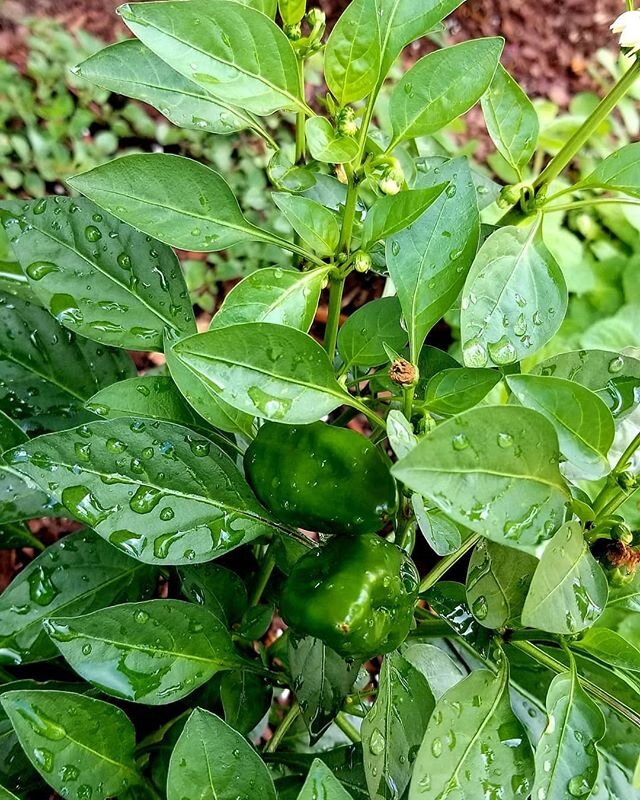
{"points": [[97, 276], [514, 300], [619, 172], [218, 589], [246, 698], [362, 338], [216, 763], [82, 747], [79, 573], [455, 390], [493, 469], [448, 599], [439, 669], [321, 782], [316, 225], [157, 491], [394, 727], [569, 588], [474, 740], [614, 639], [390, 215], [154, 652], [442, 534]]}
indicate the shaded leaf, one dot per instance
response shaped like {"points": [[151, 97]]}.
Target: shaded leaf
{"points": [[246, 698], [389, 215], [362, 338], [326, 144], [453, 391], [315, 224], [439, 669], [218, 589], [620, 172], [442, 534], [321, 782]]}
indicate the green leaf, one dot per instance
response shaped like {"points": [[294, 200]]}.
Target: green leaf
{"points": [[566, 757], [497, 584], [619, 172], [76, 574], [400, 433], [439, 669], [49, 373], [203, 399], [582, 421], [268, 7], [610, 647], [265, 370], [82, 747], [149, 397], [131, 69], [20, 501], [322, 679], [495, 470], [390, 215], [449, 600], [442, 86], [368, 38], [474, 719], [326, 144], [99, 277], [246, 698], [218, 589], [208, 45], [455, 390], [284, 297], [291, 11], [569, 588], [514, 300], [321, 782], [317, 226], [174, 199], [362, 338], [155, 490], [214, 762], [428, 261], [511, 119], [394, 727], [442, 534], [11, 434], [154, 652], [614, 377], [5, 794]]}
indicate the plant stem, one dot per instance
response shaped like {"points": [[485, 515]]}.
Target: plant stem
{"points": [[612, 496], [289, 718], [625, 458], [336, 291], [562, 159], [595, 201], [558, 667], [301, 118], [264, 573], [349, 215], [409, 393], [347, 728], [445, 564]]}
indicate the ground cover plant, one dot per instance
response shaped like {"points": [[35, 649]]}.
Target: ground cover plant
{"points": [[465, 622]]}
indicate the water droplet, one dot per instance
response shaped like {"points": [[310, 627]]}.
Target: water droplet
{"points": [[436, 747], [579, 786], [92, 233], [502, 351], [40, 206], [395, 247], [124, 261], [616, 364], [480, 609], [40, 269], [460, 441], [505, 440], [377, 743], [474, 353]]}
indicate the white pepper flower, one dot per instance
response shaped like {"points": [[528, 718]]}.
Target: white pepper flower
{"points": [[628, 26]]}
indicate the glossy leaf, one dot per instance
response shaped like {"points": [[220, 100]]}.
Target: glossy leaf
{"points": [[48, 374], [291, 11], [209, 46], [321, 782], [582, 421], [99, 277], [495, 470], [394, 727], [154, 652], [511, 119], [326, 144], [362, 338], [449, 600], [214, 762], [614, 377], [497, 584], [322, 680], [619, 172], [569, 588], [131, 69], [20, 501], [82, 747], [390, 215], [284, 297], [455, 390], [610, 647], [155, 490], [315, 224], [473, 719], [566, 757], [174, 199], [514, 300], [400, 433], [265, 370], [442, 534], [218, 589], [441, 87], [149, 397], [246, 698], [439, 668], [77, 574], [428, 261], [11, 434]]}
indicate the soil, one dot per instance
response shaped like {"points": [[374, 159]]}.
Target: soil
{"points": [[549, 42]]}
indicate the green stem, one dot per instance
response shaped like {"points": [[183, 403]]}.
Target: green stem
{"points": [[336, 291], [264, 573], [558, 667], [596, 201], [409, 393], [625, 458], [612, 496], [349, 215], [562, 159], [445, 564], [301, 118], [432, 629], [289, 718], [347, 728], [369, 414]]}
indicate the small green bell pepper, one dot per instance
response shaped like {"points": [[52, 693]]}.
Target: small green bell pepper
{"points": [[322, 478], [356, 594]]}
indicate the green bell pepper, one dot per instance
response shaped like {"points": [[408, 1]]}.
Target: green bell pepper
{"points": [[322, 478], [356, 594]]}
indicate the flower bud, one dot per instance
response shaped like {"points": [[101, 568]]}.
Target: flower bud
{"points": [[403, 372], [293, 32], [627, 481], [346, 122], [316, 18], [362, 261]]}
